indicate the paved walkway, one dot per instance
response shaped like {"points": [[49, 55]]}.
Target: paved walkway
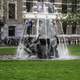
{"points": [[8, 47]]}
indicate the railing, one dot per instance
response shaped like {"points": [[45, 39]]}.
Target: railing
{"points": [[70, 39], [41, 15]]}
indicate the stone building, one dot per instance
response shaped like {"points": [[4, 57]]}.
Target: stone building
{"points": [[12, 11], [1, 16]]}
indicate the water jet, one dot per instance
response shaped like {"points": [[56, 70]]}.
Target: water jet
{"points": [[40, 39]]}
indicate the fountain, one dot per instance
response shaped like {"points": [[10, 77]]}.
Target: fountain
{"points": [[44, 41]]}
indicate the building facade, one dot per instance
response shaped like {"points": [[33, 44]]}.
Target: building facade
{"points": [[12, 11], [1, 17]]}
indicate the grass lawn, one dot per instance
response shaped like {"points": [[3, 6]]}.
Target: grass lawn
{"points": [[40, 70], [74, 50], [7, 51]]}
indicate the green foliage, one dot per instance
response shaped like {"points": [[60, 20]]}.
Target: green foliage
{"points": [[71, 18]]}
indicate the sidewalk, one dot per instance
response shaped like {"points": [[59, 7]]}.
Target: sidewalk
{"points": [[8, 47]]}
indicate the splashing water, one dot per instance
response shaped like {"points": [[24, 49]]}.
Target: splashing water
{"points": [[21, 52], [47, 28]]}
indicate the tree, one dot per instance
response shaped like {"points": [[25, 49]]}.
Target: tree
{"points": [[71, 18]]}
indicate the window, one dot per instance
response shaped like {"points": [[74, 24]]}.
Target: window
{"points": [[0, 29], [69, 6], [11, 11], [11, 31], [74, 6], [40, 0], [64, 27], [29, 5], [0, 4], [78, 6], [1, 24], [64, 6], [74, 28], [51, 0]]}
